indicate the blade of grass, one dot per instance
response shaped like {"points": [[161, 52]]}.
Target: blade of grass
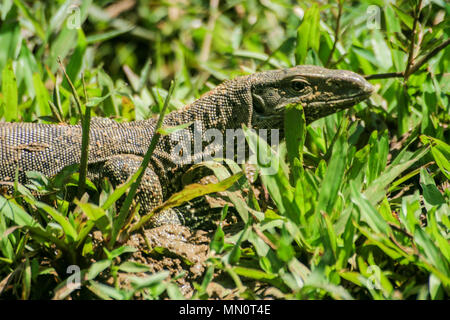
{"points": [[9, 91]]}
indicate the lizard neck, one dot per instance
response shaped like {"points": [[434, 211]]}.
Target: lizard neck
{"points": [[228, 106]]}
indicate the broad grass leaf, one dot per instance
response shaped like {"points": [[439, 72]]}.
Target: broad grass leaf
{"points": [[442, 160], [308, 34], [403, 16], [69, 230], [118, 192], [9, 91], [174, 293], [432, 253], [431, 195], [42, 96], [368, 213], [167, 130], [318, 280], [376, 190], [118, 251], [438, 233], [392, 24], [97, 215], [254, 273], [105, 292], [75, 64], [5, 8], [295, 128], [15, 213], [132, 266], [145, 282], [274, 175], [96, 268], [31, 18], [333, 177], [218, 241], [441, 153], [26, 279]]}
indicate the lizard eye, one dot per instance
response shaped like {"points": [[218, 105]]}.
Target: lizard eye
{"points": [[298, 85]]}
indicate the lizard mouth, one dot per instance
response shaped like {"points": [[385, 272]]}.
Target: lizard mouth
{"points": [[351, 100]]}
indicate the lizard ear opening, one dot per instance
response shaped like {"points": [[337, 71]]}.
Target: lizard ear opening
{"points": [[258, 104]]}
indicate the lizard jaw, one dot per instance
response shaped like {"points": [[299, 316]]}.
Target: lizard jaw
{"points": [[344, 102]]}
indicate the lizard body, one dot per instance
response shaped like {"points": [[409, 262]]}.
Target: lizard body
{"points": [[116, 149]]}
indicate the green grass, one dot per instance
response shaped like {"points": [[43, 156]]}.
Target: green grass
{"points": [[359, 206]]}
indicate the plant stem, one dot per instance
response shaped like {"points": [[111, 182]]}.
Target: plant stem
{"points": [[336, 33], [412, 44], [414, 67]]}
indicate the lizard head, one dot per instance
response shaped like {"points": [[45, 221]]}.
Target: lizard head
{"points": [[320, 91]]}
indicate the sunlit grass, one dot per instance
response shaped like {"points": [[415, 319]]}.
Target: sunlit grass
{"points": [[358, 208]]}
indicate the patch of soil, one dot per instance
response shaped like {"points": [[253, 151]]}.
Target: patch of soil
{"points": [[174, 248]]}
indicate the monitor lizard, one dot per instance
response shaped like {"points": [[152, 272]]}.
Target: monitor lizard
{"points": [[116, 149]]}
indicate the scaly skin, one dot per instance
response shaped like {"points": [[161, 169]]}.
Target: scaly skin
{"points": [[116, 149]]}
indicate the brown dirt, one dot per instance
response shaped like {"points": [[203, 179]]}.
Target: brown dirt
{"points": [[173, 248]]}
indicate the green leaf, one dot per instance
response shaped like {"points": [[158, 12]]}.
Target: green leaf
{"points": [[10, 38], [42, 96], [68, 229], [441, 160], [118, 192], [132, 266], [97, 215], [95, 101], [145, 282], [368, 213], [404, 17], [96, 268], [119, 251], [379, 148], [254, 273], [430, 250], [333, 177], [308, 34], [105, 292], [9, 91], [167, 130], [392, 24], [218, 241], [375, 192], [431, 195], [294, 126], [197, 190], [15, 213], [5, 7], [272, 175], [174, 293], [439, 234], [66, 38], [75, 64], [26, 280], [36, 25]]}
